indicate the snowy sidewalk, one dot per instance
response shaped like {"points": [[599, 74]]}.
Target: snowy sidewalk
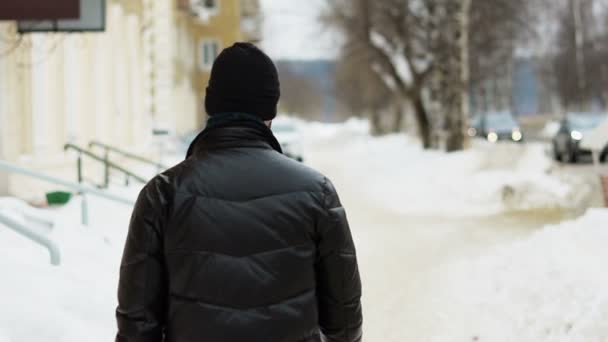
{"points": [[73, 301], [446, 253], [552, 286], [452, 247], [394, 172]]}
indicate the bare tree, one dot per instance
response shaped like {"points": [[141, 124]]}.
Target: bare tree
{"points": [[497, 27], [361, 92], [581, 60], [421, 49], [299, 95], [392, 37], [453, 69]]}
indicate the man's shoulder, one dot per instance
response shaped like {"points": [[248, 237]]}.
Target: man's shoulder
{"points": [[165, 182], [272, 172], [292, 171]]}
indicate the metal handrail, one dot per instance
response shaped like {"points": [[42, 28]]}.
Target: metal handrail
{"points": [[127, 154], [107, 166], [34, 236], [83, 189]]}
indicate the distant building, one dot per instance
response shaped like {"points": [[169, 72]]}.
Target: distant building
{"points": [[321, 76], [517, 89], [251, 20], [147, 71], [526, 87]]}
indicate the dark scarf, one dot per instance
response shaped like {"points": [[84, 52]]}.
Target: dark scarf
{"points": [[225, 120]]}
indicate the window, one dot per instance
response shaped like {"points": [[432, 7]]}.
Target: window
{"points": [[209, 49], [210, 4]]}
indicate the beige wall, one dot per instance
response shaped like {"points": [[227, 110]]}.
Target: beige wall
{"points": [[141, 73], [251, 21], [73, 87], [4, 131], [223, 27], [76, 88]]}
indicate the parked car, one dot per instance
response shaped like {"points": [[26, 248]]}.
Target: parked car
{"points": [[495, 127], [286, 132], [572, 130], [288, 135]]}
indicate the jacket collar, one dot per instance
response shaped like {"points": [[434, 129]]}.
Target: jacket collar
{"points": [[228, 130]]}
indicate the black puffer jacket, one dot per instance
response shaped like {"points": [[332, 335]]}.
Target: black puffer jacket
{"points": [[239, 243]]}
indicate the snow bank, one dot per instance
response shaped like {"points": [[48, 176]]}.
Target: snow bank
{"points": [[76, 300], [485, 179], [550, 287]]}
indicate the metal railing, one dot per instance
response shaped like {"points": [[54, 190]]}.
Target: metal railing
{"points": [[40, 238], [107, 149], [34, 236], [82, 189], [108, 165]]}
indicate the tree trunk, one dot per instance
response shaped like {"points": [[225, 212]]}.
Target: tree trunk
{"points": [[398, 122], [579, 54], [376, 124], [455, 139], [422, 120], [484, 96], [456, 73]]}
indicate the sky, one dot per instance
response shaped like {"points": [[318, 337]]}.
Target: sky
{"points": [[292, 30]]}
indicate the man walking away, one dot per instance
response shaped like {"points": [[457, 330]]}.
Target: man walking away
{"points": [[239, 243]]}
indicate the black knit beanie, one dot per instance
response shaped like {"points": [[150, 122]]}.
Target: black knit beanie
{"points": [[243, 80]]}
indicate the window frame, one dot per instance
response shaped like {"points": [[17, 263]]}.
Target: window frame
{"points": [[203, 62], [213, 10]]}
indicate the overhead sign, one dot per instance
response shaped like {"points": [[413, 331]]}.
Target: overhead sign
{"points": [[91, 17], [39, 9]]}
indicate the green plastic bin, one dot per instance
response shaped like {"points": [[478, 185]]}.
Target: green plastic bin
{"points": [[58, 197]]}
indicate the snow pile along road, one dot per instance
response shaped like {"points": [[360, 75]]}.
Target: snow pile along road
{"points": [[70, 302], [550, 287], [484, 180]]}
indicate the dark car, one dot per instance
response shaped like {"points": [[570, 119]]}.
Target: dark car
{"points": [[496, 126], [572, 130]]}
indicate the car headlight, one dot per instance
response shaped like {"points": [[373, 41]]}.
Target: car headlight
{"points": [[576, 135], [492, 137], [516, 135]]}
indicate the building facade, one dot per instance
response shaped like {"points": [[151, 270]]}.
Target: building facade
{"points": [[147, 71]]}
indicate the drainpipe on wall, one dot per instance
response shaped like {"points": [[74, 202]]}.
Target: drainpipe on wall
{"points": [[3, 124], [3, 175], [158, 47]]}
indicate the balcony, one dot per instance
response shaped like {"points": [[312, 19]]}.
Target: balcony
{"points": [[251, 26], [251, 20], [201, 9]]}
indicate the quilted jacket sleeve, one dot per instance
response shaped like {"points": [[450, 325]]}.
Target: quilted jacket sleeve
{"points": [[142, 289], [338, 280]]}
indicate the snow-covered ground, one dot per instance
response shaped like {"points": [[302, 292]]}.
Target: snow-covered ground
{"points": [[433, 251], [487, 179], [71, 302], [447, 250], [552, 286]]}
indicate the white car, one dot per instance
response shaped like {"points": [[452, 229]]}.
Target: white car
{"points": [[290, 138], [569, 143]]}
